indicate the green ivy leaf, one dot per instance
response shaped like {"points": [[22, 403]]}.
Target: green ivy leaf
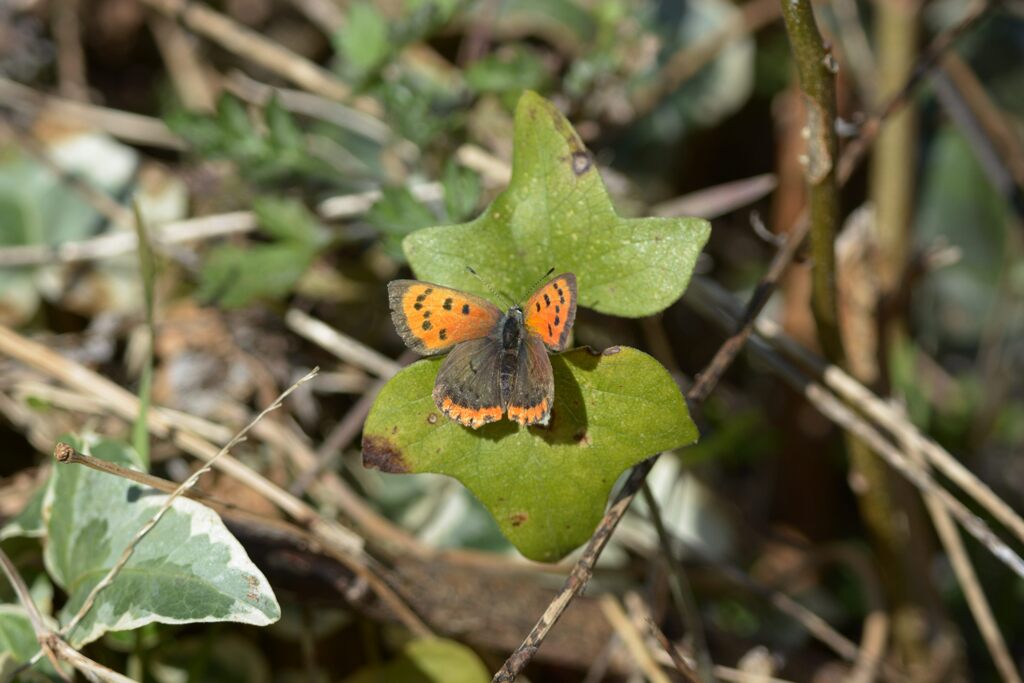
{"points": [[428, 660], [509, 71], [189, 568], [29, 522], [289, 220], [234, 276], [545, 486], [556, 213]]}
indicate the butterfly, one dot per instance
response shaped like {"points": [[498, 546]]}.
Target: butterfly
{"points": [[498, 363]]}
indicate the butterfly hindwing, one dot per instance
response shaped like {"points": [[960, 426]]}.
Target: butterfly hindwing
{"points": [[533, 387], [468, 385], [431, 319], [550, 312]]}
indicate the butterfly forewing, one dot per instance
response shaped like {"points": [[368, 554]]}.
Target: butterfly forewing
{"points": [[550, 312], [431, 319], [533, 389], [468, 385]]}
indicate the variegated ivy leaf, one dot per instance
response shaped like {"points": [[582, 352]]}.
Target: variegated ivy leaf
{"points": [[189, 568]]}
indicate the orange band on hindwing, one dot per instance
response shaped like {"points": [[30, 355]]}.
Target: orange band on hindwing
{"points": [[470, 417], [529, 415]]}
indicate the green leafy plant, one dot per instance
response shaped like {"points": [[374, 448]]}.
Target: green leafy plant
{"points": [[427, 660], [546, 486], [234, 276], [275, 151], [189, 568]]}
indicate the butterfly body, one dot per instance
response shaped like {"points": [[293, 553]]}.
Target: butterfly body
{"points": [[498, 362]]}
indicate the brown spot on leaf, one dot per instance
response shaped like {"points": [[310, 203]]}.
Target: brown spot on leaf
{"points": [[581, 162], [432, 418], [380, 454], [254, 583], [518, 518], [612, 350]]}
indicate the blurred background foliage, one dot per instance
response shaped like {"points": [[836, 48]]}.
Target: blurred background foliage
{"points": [[672, 97]]}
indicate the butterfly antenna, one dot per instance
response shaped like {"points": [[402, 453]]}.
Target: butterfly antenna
{"points": [[491, 288], [536, 284]]}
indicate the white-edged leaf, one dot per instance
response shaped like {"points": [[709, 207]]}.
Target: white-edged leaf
{"points": [[189, 568], [29, 522]]}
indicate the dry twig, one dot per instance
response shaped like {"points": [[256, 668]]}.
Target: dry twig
{"points": [[34, 617]]}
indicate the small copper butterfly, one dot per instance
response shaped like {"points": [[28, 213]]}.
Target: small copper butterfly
{"points": [[498, 362]]}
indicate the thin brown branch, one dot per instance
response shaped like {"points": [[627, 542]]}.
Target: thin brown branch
{"points": [[963, 568], [632, 638], [677, 657], [93, 671], [34, 617], [259, 50], [66, 454], [840, 413], [854, 152], [182, 61], [876, 409], [682, 593], [123, 125], [67, 32]]}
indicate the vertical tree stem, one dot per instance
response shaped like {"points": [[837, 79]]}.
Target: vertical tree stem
{"points": [[816, 68]]}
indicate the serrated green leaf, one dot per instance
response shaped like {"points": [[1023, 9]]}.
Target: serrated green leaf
{"points": [[545, 486], [556, 213], [189, 568], [428, 660], [233, 277], [289, 220], [399, 213], [514, 71], [233, 118]]}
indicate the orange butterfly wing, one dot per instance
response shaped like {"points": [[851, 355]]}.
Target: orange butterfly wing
{"points": [[551, 311], [431, 319]]}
